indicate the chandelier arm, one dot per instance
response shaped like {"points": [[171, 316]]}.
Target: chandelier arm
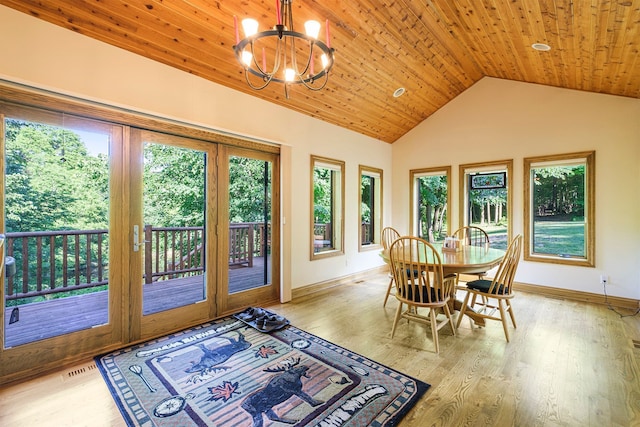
{"points": [[255, 62], [257, 87], [294, 57], [277, 59], [308, 83]]}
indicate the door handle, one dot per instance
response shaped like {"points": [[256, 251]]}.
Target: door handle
{"points": [[136, 239]]}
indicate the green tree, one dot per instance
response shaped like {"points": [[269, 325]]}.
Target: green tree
{"points": [[247, 185], [51, 182], [432, 206], [174, 186], [322, 181], [559, 190]]}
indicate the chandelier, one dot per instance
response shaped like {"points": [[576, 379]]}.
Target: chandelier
{"points": [[283, 55]]}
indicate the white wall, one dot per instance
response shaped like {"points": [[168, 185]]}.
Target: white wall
{"points": [[39, 54], [499, 119]]}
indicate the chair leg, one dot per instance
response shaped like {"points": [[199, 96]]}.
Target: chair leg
{"points": [[386, 297], [463, 309], [447, 313], [513, 317], [395, 320], [473, 300], [434, 329], [503, 317], [485, 300]]}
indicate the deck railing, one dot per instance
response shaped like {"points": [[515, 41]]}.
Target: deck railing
{"points": [[322, 233], [49, 262]]}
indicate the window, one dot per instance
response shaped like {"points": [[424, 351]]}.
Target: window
{"points": [[430, 200], [559, 212], [485, 199], [327, 207], [370, 207]]}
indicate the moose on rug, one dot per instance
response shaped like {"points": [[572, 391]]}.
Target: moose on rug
{"points": [[230, 374]]}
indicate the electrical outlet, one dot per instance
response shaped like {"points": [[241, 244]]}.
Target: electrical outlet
{"points": [[604, 279]]}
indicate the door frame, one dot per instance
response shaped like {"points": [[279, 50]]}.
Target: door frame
{"points": [[226, 303], [42, 356]]}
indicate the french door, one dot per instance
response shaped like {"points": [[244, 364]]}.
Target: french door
{"points": [[172, 237], [121, 234], [117, 234], [63, 209], [202, 231], [249, 210]]}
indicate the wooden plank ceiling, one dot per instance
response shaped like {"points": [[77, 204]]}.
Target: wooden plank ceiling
{"points": [[434, 48]]}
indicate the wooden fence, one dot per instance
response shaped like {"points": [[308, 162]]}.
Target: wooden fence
{"points": [[50, 262]]}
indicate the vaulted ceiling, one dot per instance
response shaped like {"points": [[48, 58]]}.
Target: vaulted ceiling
{"points": [[435, 49]]}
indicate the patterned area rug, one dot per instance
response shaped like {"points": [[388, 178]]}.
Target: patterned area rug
{"points": [[227, 373]]}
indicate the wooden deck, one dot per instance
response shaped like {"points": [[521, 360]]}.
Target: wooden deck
{"points": [[46, 319]]}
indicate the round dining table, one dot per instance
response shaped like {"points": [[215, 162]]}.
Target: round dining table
{"points": [[469, 259], [465, 260]]}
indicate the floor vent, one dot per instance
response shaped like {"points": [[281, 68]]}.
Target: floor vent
{"points": [[636, 343], [78, 371]]}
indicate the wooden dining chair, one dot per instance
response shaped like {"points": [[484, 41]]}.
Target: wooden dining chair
{"points": [[496, 294], [472, 236], [420, 283], [387, 237]]}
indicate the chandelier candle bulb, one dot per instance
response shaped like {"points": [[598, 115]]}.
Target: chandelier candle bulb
{"points": [[250, 27], [312, 28], [289, 75], [246, 58]]}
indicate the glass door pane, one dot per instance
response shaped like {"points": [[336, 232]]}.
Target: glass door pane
{"points": [[56, 222], [249, 228], [249, 223], [173, 239]]}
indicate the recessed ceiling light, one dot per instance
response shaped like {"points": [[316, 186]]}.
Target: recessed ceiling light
{"points": [[398, 92], [541, 47]]}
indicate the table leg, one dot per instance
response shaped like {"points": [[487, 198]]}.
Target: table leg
{"points": [[478, 320]]}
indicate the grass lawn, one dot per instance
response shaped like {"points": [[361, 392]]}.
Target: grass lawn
{"points": [[497, 234], [550, 237], [559, 238]]}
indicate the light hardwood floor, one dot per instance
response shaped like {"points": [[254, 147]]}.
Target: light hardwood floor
{"points": [[568, 364]]}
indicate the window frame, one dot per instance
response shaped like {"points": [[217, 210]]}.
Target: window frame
{"points": [[482, 167], [377, 175], [417, 173], [338, 203], [589, 193]]}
